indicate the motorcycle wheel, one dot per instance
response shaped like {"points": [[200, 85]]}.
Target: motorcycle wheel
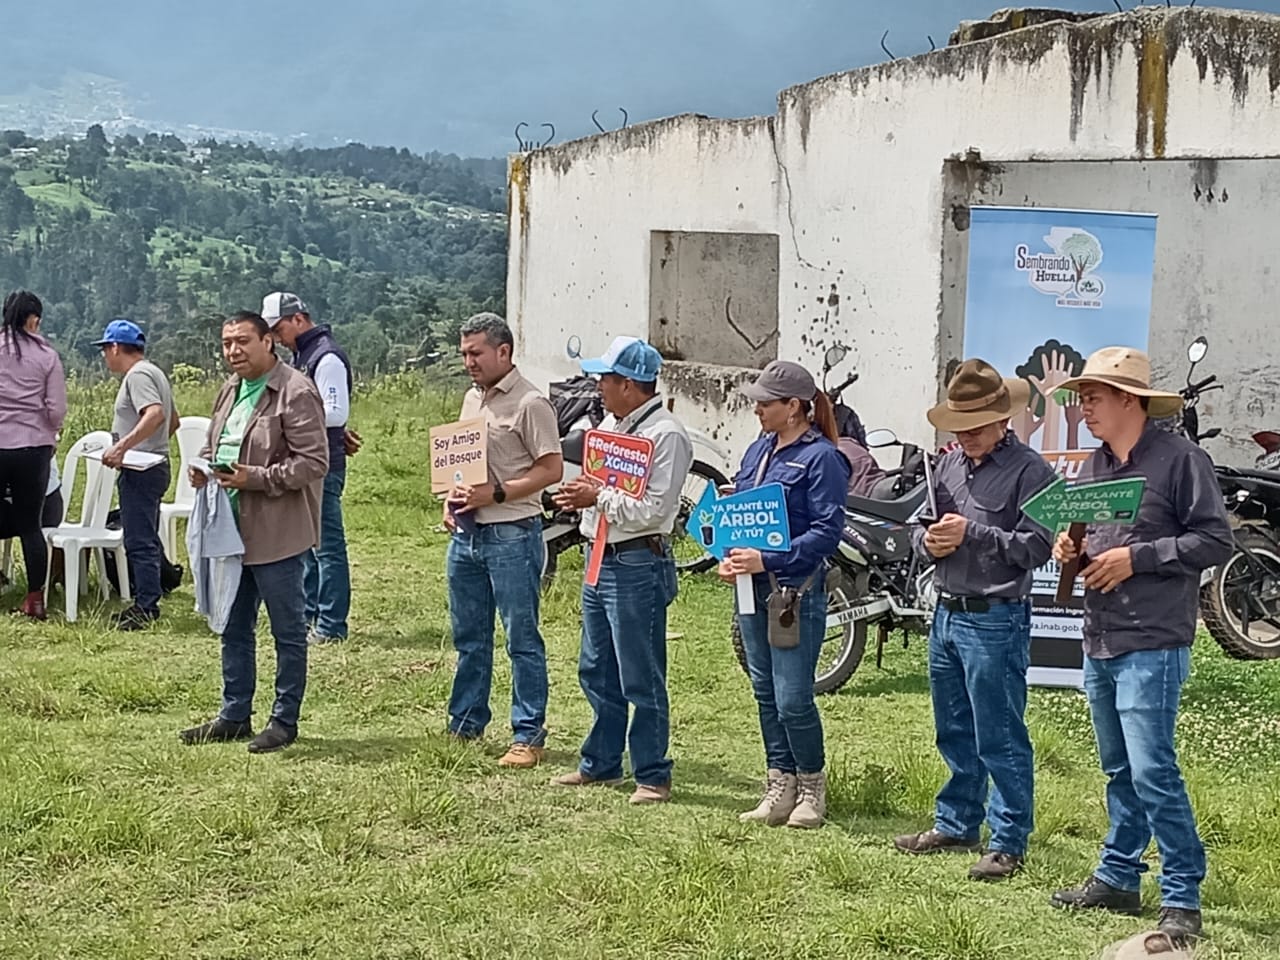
{"points": [[1239, 589], [842, 648], [688, 552]]}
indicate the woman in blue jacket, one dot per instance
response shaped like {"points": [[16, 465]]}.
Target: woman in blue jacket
{"points": [[797, 450]]}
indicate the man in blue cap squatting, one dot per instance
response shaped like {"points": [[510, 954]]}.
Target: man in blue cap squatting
{"points": [[623, 662], [144, 419]]}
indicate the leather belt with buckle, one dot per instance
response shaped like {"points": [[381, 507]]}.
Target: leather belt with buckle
{"points": [[654, 544], [974, 604]]}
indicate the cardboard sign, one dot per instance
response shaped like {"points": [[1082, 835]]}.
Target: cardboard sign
{"points": [[753, 519], [459, 454], [621, 461]]}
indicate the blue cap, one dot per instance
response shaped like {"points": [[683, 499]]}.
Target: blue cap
{"points": [[627, 357], [122, 331]]}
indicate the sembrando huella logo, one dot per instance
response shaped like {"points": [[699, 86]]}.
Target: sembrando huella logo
{"points": [[1068, 273]]}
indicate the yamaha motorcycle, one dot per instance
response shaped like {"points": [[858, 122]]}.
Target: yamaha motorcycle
{"points": [[876, 578], [1240, 600]]}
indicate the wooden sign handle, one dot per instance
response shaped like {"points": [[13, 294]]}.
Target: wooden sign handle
{"points": [[1070, 570]]}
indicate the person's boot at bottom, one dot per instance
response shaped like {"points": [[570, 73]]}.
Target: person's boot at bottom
{"points": [[651, 793], [1180, 925], [995, 865], [33, 606], [274, 736], [778, 801], [811, 801], [1096, 894]]}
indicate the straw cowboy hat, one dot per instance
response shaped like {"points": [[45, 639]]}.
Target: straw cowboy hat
{"points": [[1127, 370], [977, 396], [1143, 945]]}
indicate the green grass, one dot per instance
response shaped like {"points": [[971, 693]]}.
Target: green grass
{"points": [[375, 836], [66, 196]]}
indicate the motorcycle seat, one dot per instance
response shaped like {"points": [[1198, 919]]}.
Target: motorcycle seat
{"points": [[571, 446], [899, 510]]}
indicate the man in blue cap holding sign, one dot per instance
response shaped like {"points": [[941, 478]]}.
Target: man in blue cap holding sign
{"points": [[145, 417], [623, 661]]}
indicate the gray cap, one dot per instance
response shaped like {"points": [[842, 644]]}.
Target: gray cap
{"points": [[277, 306], [781, 380]]}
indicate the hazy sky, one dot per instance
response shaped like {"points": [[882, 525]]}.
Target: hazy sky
{"points": [[459, 75]]}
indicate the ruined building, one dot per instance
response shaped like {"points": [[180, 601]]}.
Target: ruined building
{"points": [[844, 216]]}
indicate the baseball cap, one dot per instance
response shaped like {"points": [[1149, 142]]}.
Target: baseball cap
{"points": [[123, 331], [781, 380], [627, 357], [277, 306]]}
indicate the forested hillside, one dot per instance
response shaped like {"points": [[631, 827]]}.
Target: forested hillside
{"points": [[392, 247]]}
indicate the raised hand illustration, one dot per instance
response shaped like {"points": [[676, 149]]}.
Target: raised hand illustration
{"points": [[1056, 368]]}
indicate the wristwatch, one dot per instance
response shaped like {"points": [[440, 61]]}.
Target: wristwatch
{"points": [[499, 494]]}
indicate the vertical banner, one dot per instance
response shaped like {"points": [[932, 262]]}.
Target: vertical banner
{"points": [[1046, 288]]}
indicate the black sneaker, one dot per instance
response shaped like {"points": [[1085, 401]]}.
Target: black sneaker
{"points": [[934, 841], [1180, 926], [274, 736], [1095, 894], [134, 618], [217, 730]]}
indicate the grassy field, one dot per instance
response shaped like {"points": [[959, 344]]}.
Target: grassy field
{"points": [[375, 836]]}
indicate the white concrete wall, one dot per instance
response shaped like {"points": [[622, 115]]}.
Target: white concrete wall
{"points": [[850, 174]]}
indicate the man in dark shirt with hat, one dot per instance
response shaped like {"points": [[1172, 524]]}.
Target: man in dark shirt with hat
{"points": [[985, 549], [326, 571], [1142, 583]]}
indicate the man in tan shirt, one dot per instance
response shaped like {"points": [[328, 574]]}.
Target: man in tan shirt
{"points": [[267, 448], [495, 555]]}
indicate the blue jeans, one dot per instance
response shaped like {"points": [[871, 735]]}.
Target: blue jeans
{"points": [[623, 662], [498, 567], [1134, 702], [327, 575], [782, 681], [140, 494], [978, 681], [279, 586]]}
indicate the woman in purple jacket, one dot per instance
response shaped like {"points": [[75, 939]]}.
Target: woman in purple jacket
{"points": [[33, 403]]}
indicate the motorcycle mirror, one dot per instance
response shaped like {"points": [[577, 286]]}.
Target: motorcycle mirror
{"points": [[881, 438], [573, 349], [1196, 352], [835, 353]]}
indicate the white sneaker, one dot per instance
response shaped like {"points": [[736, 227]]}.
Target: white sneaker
{"points": [[778, 801], [811, 806]]}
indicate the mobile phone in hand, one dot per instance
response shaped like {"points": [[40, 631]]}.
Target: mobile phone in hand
{"points": [[222, 468]]}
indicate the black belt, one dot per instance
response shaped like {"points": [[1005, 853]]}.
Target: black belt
{"points": [[524, 523], [975, 604], [654, 544]]}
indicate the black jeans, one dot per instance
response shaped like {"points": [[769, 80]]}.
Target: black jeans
{"points": [[140, 494], [24, 474]]}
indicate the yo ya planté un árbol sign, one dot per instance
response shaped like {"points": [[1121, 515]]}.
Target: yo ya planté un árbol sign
{"points": [[1061, 503], [753, 519], [621, 461], [459, 454]]}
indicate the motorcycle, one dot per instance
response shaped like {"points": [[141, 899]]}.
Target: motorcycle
{"points": [[876, 578], [1240, 600], [579, 409], [848, 423]]}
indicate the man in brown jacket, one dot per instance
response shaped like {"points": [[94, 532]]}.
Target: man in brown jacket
{"points": [[268, 450]]}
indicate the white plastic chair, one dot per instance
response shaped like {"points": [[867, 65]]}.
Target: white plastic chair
{"points": [[191, 434], [89, 535]]}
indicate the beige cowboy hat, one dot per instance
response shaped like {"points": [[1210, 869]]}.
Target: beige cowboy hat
{"points": [[1128, 370], [977, 396]]}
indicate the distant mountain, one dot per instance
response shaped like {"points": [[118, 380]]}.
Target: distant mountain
{"points": [[396, 249]]}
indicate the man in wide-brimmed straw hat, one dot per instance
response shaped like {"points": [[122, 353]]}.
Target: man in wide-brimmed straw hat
{"points": [[1141, 587], [985, 550]]}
